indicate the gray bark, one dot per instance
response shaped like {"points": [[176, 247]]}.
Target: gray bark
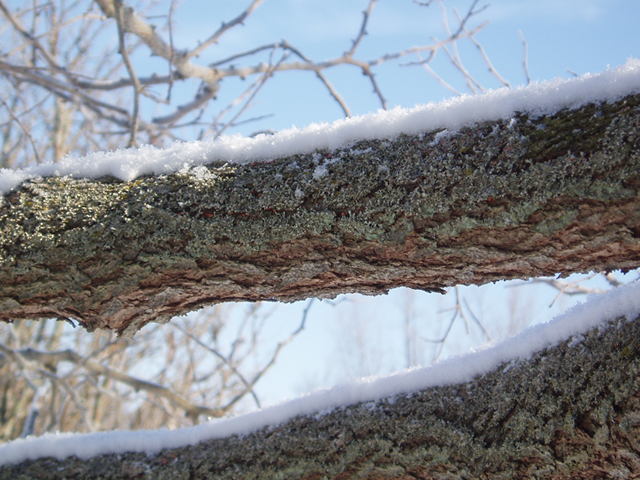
{"points": [[571, 411], [498, 200]]}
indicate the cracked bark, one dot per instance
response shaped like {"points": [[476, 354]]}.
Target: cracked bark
{"points": [[498, 200], [571, 411]]}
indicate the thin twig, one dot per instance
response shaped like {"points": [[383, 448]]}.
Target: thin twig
{"points": [[182, 110], [332, 91], [24, 130], [277, 350], [383, 101], [264, 79], [132, 74], [363, 29], [480, 48], [223, 28], [566, 288], [472, 83], [458, 311], [471, 12], [239, 99], [224, 359], [478, 322], [525, 57], [173, 50], [247, 53], [438, 78]]}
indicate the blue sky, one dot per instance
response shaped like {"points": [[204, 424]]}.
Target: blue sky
{"points": [[581, 36]]}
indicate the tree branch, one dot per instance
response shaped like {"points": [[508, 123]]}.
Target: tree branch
{"points": [[571, 409], [223, 28], [137, 88], [519, 198], [363, 28], [52, 358], [24, 130], [132, 23]]}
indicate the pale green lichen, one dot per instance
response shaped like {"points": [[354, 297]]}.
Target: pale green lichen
{"points": [[567, 412], [496, 175]]}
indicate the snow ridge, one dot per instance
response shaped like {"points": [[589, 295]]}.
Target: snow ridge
{"points": [[596, 311], [538, 99]]}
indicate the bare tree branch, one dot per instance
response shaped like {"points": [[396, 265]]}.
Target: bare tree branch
{"points": [[132, 23], [241, 224], [132, 74], [438, 78], [26, 132], [568, 288], [52, 358], [525, 59], [223, 28], [255, 91], [492, 69], [32, 40], [363, 29], [249, 387]]}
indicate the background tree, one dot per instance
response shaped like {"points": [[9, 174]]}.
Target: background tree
{"points": [[71, 85], [55, 378]]}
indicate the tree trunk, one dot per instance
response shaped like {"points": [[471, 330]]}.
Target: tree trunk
{"points": [[570, 412], [498, 200]]}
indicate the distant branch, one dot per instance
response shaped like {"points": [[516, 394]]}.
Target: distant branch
{"points": [[52, 358], [363, 29], [223, 28], [23, 128], [525, 57], [132, 74]]}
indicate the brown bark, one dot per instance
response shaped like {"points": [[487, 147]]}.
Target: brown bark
{"points": [[498, 200], [570, 412]]}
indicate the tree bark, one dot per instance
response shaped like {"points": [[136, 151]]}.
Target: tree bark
{"points": [[572, 411], [522, 197]]}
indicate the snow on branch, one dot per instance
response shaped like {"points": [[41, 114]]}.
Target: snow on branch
{"points": [[509, 402], [512, 184], [537, 99]]}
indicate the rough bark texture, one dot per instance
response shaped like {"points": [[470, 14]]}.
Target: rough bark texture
{"points": [[570, 412], [513, 199]]}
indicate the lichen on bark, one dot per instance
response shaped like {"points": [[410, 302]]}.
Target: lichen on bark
{"points": [[498, 200], [569, 411]]}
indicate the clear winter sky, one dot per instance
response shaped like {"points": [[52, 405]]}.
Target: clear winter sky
{"points": [[577, 35]]}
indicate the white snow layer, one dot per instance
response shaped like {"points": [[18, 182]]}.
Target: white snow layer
{"points": [[597, 310], [538, 99]]}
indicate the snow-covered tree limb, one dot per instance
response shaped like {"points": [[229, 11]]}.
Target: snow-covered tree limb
{"points": [[521, 197], [570, 411]]}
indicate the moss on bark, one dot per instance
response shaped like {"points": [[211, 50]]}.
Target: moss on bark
{"points": [[511, 199], [571, 411]]}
